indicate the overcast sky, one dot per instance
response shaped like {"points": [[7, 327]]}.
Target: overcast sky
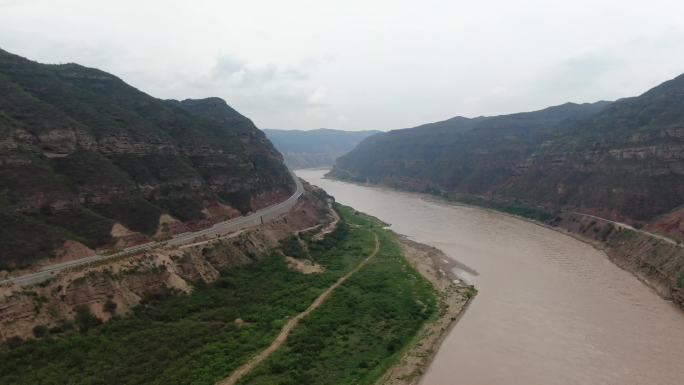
{"points": [[370, 64]]}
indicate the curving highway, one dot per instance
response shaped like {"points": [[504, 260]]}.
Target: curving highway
{"points": [[222, 228]]}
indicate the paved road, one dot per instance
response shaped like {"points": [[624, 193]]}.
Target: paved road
{"points": [[626, 226], [264, 215]]}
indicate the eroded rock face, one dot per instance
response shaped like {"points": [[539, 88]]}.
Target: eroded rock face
{"points": [[88, 290], [17, 308], [635, 183], [147, 282]]}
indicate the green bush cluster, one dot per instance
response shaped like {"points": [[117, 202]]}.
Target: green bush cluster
{"points": [[291, 247]]}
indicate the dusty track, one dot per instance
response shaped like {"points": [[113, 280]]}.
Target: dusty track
{"points": [[292, 323]]}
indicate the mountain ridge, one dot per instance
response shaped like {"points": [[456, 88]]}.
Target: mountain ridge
{"points": [[445, 155], [81, 151]]}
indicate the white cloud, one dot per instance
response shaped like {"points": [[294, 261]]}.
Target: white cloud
{"points": [[382, 64]]}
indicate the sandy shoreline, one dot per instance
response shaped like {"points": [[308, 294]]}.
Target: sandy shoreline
{"points": [[453, 299]]}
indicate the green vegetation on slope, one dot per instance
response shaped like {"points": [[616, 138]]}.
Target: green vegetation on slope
{"points": [[194, 339], [360, 331], [19, 234], [462, 155]]}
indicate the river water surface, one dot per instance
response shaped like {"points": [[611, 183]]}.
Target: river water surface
{"points": [[550, 309]]}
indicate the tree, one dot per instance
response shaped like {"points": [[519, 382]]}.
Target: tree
{"points": [[85, 319], [40, 331], [110, 307]]}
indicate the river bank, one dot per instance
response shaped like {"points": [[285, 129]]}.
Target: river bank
{"points": [[454, 297]]}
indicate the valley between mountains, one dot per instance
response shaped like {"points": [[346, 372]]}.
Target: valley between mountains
{"points": [[149, 241]]}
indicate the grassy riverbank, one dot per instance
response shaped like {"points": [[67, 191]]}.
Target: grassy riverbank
{"points": [[360, 332], [202, 337]]}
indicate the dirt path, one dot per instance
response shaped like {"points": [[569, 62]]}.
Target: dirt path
{"points": [[292, 323], [330, 227]]}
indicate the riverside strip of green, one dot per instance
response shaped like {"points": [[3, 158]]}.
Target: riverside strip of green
{"points": [[202, 337]]}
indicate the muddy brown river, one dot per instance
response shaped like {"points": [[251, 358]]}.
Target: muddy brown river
{"points": [[550, 309]]}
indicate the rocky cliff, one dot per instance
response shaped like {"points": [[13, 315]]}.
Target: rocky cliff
{"points": [[84, 157]]}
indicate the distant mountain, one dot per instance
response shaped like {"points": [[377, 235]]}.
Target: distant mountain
{"points": [[315, 148], [622, 160], [87, 158]]}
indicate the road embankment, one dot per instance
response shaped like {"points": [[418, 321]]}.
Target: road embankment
{"points": [[124, 280], [656, 261]]}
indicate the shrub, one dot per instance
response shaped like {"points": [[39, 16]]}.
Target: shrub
{"points": [[110, 307], [40, 331], [85, 320]]}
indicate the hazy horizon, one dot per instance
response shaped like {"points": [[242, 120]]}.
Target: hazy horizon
{"points": [[359, 66]]}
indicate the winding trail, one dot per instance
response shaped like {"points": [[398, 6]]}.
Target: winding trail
{"points": [[292, 322]]}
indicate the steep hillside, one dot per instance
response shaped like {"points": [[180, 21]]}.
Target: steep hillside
{"points": [[315, 148], [86, 157], [467, 155]]}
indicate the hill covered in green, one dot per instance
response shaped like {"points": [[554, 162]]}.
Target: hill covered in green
{"points": [[81, 150], [460, 154]]}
